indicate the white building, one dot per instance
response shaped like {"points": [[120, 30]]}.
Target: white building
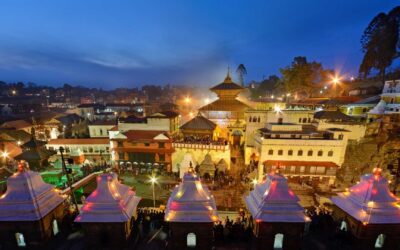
{"points": [[390, 99], [99, 129], [300, 151]]}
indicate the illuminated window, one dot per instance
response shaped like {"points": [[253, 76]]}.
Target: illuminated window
{"points": [[20, 240], [302, 169], [380, 241], [191, 240], [343, 226], [278, 241], [293, 169]]}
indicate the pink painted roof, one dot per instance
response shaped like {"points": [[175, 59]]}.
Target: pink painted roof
{"points": [[273, 201], [370, 201], [110, 202], [191, 202], [28, 197]]}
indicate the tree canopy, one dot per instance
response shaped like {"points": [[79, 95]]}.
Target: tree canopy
{"points": [[380, 43], [303, 76]]}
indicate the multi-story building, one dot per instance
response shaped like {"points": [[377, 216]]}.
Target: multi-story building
{"points": [[142, 148], [167, 121], [96, 150], [390, 100], [99, 129], [257, 119], [300, 151]]}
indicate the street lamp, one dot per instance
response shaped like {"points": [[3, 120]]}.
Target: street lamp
{"points": [[153, 181], [187, 99], [336, 81], [4, 154]]}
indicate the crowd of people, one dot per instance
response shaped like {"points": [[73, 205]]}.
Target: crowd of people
{"points": [[236, 230], [149, 219]]}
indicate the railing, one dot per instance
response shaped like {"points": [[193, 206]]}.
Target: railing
{"points": [[200, 146]]}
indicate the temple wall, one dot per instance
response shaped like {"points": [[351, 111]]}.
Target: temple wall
{"points": [[199, 154]]}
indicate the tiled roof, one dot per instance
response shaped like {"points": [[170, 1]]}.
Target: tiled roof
{"points": [[225, 105], [199, 123], [79, 141], [167, 114], [17, 124], [137, 135], [332, 115], [300, 163], [227, 84]]}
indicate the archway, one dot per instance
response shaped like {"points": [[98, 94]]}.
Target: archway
{"points": [[20, 240], [191, 240], [380, 241], [278, 241], [236, 138]]}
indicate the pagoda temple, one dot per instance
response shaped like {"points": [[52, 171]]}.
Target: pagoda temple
{"points": [[279, 220], [35, 153], [191, 213], [370, 212], [199, 128], [108, 214], [227, 111], [30, 210]]}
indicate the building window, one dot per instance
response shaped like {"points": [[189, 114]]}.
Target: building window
{"points": [[343, 226], [313, 170], [341, 137], [309, 120], [320, 153], [304, 120], [300, 152], [270, 152], [161, 157], [259, 119], [280, 152], [278, 241], [249, 118], [380, 241], [120, 144], [290, 152], [299, 120], [330, 153], [101, 132], [20, 240], [302, 169], [191, 240], [364, 110], [310, 153], [293, 169], [121, 156], [161, 145], [293, 136], [147, 144], [320, 170]]}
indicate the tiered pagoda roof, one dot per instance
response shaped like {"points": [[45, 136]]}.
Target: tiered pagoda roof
{"points": [[199, 123], [28, 197], [370, 201], [110, 202], [273, 201], [191, 202]]}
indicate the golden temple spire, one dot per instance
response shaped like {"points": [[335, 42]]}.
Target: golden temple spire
{"points": [[228, 78]]}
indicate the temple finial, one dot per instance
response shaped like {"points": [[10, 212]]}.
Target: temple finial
{"points": [[228, 78]]}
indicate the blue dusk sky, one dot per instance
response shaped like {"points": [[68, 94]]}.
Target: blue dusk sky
{"points": [[129, 43]]}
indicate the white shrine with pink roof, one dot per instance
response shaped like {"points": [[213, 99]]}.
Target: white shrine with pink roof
{"points": [[191, 212], [279, 219], [108, 212]]}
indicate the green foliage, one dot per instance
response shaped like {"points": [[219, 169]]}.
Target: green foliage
{"points": [[241, 71], [303, 76], [268, 86], [380, 43]]}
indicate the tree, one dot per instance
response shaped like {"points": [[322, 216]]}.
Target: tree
{"points": [[241, 71], [303, 76], [268, 86], [380, 43]]}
